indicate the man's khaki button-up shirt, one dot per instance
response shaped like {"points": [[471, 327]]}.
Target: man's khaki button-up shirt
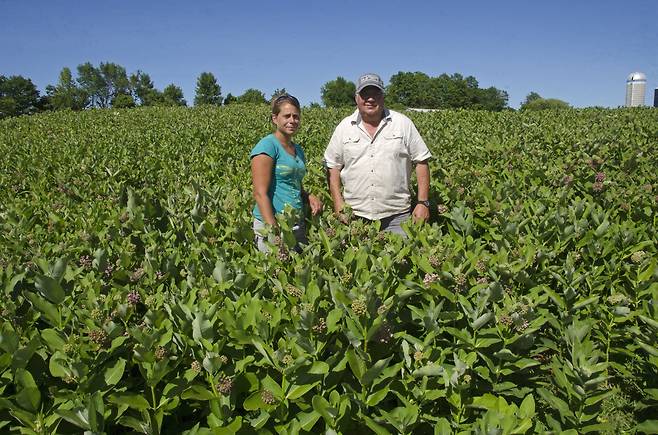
{"points": [[376, 171]]}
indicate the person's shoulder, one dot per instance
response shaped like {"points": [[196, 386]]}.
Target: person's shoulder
{"points": [[398, 116], [267, 145], [349, 119]]}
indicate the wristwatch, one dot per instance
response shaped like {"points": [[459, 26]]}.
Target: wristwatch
{"points": [[425, 202]]}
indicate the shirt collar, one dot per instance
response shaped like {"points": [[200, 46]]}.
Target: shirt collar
{"points": [[355, 118]]}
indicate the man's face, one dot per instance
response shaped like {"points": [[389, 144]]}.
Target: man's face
{"points": [[370, 102]]}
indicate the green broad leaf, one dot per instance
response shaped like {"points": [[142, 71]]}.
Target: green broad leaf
{"points": [[49, 288], [53, 339], [297, 391], [406, 352], [57, 365], [202, 328], [333, 318], [527, 408], [648, 427], [264, 350], [556, 298], [357, 365], [555, 402], [50, 311], [375, 427], [583, 303], [114, 374], [271, 385], [650, 322], [377, 396], [598, 397], [424, 264], [76, 417], [138, 425], [230, 429], [308, 419], [652, 392], [59, 269], [28, 396], [522, 427], [597, 428], [260, 420], [254, 402], [322, 407], [11, 284], [375, 370], [488, 401], [319, 368], [506, 355], [197, 392], [648, 348], [459, 334], [443, 427], [482, 320], [95, 411], [429, 370], [601, 229], [220, 272], [8, 339], [133, 401]]}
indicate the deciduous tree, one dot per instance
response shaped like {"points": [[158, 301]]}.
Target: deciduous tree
{"points": [[253, 96], [18, 96], [66, 94], [338, 93]]}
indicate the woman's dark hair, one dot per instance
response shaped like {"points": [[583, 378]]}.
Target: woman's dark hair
{"points": [[284, 98]]}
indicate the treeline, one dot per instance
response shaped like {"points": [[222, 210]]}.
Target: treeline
{"points": [[109, 85]]}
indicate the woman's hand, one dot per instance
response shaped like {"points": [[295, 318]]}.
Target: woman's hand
{"points": [[315, 204]]}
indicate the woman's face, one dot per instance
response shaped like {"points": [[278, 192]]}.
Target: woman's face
{"points": [[287, 120]]}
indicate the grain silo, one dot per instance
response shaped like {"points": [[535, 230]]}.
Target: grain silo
{"points": [[635, 89]]}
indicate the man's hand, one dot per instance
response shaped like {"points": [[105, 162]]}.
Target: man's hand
{"points": [[420, 214], [315, 204]]}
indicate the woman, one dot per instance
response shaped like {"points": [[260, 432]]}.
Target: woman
{"points": [[277, 168]]}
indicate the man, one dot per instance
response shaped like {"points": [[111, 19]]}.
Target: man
{"points": [[370, 155]]}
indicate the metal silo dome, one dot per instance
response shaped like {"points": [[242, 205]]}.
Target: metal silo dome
{"points": [[635, 89], [636, 76]]}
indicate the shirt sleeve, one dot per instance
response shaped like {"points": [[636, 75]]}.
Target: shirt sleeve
{"points": [[266, 147], [417, 148], [333, 155]]}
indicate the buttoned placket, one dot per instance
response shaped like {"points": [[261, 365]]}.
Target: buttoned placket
{"points": [[371, 152]]}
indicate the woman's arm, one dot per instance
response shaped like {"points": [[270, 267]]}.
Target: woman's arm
{"points": [[313, 201], [261, 176]]}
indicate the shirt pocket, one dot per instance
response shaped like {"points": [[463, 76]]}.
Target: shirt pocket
{"points": [[394, 142], [352, 147]]}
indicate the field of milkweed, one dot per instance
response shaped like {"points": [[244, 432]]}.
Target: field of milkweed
{"points": [[134, 300]]}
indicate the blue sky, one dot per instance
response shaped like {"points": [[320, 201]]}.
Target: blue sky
{"points": [[577, 51]]}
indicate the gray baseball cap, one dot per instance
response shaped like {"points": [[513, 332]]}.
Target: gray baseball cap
{"points": [[369, 79]]}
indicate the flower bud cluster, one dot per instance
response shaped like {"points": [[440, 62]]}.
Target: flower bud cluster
{"points": [[320, 327], [267, 397], [133, 297], [98, 336], [294, 291], [430, 278], [359, 307], [225, 384], [638, 256]]}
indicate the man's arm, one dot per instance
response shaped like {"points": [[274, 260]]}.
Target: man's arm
{"points": [[422, 212], [333, 177]]}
